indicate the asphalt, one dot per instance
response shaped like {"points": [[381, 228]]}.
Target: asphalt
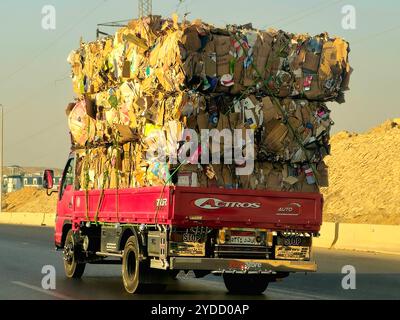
{"points": [[25, 250]]}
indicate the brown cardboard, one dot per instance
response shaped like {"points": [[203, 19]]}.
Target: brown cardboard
{"points": [[323, 174], [315, 92], [191, 39], [160, 82], [126, 69], [274, 181], [270, 110], [203, 121], [210, 62], [223, 64], [276, 134], [311, 62], [234, 120], [222, 45], [262, 51], [299, 59], [227, 176]]}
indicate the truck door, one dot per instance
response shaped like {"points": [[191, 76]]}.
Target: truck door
{"points": [[65, 207]]}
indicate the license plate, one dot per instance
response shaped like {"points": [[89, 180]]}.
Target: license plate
{"points": [[292, 253], [242, 240]]}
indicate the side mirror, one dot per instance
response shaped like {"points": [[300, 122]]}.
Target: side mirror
{"points": [[48, 181]]}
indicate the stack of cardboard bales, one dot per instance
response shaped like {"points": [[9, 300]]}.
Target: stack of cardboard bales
{"points": [[160, 75]]}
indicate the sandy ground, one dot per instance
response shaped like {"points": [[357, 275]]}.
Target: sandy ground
{"points": [[30, 200], [364, 174]]}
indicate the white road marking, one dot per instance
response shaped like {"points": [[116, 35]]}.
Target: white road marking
{"points": [[288, 293], [41, 290]]}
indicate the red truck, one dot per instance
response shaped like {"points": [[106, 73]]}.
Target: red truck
{"points": [[251, 238]]}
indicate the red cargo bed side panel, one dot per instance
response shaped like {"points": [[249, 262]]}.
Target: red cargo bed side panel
{"points": [[137, 206], [279, 211]]}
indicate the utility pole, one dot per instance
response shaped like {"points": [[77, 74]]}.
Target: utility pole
{"points": [[145, 8], [1, 156]]}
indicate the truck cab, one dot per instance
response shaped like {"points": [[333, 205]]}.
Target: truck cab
{"points": [[250, 238]]}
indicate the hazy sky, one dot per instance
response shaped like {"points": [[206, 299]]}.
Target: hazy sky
{"points": [[34, 75]]}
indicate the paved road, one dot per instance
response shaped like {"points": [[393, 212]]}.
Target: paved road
{"points": [[24, 251]]}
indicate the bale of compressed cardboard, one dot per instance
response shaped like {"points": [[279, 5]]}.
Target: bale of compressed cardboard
{"points": [[167, 56], [157, 77]]}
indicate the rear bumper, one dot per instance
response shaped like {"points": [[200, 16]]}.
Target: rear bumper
{"points": [[241, 265]]}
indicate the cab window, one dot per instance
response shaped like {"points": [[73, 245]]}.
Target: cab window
{"points": [[68, 176]]}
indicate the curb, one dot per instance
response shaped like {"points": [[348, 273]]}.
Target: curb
{"points": [[378, 238], [28, 219], [359, 237]]}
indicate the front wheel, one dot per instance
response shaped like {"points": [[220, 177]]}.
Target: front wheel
{"points": [[247, 284], [73, 269]]}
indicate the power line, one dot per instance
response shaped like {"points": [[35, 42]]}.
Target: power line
{"points": [[34, 135], [313, 12], [30, 96], [307, 12], [374, 35], [46, 49]]}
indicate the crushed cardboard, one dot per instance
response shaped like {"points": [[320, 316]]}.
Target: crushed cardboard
{"points": [[156, 74]]}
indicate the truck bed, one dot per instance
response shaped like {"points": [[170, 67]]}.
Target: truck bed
{"points": [[213, 208]]}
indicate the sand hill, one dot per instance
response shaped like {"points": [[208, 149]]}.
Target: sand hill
{"points": [[30, 200], [364, 176], [364, 180]]}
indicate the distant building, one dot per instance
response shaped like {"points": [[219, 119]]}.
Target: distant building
{"points": [[32, 181], [17, 180], [12, 183]]}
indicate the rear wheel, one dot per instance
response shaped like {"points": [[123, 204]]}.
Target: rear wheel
{"points": [[247, 284], [137, 275], [73, 269]]}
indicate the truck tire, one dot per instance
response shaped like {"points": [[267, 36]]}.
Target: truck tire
{"points": [[73, 269], [136, 274], [247, 284]]}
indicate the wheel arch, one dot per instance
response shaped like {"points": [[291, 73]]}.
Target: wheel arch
{"points": [[129, 232]]}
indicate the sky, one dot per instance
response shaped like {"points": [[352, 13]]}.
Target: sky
{"points": [[35, 84]]}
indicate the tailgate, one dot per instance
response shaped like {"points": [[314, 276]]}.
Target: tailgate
{"points": [[278, 211]]}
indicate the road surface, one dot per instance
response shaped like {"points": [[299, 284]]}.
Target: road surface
{"points": [[25, 250]]}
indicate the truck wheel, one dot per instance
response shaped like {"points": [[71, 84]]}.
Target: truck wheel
{"points": [[133, 270], [247, 284], [73, 269]]}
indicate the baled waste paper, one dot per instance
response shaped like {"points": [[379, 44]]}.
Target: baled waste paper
{"points": [[143, 88]]}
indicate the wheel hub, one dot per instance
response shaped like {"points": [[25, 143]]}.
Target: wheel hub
{"points": [[69, 252]]}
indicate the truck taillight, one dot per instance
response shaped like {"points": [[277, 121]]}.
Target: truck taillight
{"points": [[222, 236], [270, 239]]}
